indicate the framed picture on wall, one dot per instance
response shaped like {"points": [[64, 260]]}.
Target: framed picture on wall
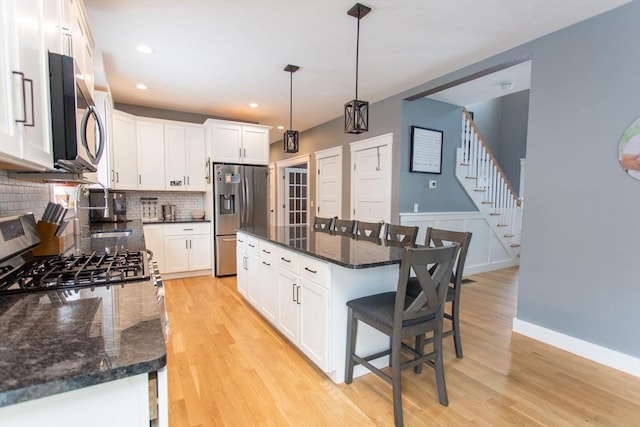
{"points": [[426, 150]]}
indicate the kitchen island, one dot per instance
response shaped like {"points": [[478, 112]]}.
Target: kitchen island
{"points": [[300, 281], [87, 354]]}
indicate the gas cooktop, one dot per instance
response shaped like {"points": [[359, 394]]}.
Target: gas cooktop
{"points": [[20, 271]]}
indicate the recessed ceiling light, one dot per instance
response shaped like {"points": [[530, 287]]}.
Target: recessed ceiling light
{"points": [[253, 105], [143, 48], [280, 127], [142, 86]]}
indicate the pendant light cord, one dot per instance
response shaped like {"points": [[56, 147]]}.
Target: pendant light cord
{"points": [[290, 100], [357, 53]]}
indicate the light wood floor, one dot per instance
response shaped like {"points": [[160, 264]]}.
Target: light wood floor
{"points": [[227, 367]]}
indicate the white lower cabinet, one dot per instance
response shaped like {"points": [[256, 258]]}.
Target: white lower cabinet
{"points": [[314, 305], [292, 292], [187, 247], [269, 279], [154, 241], [242, 269], [124, 402], [288, 304]]}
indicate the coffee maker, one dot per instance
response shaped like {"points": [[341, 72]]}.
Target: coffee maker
{"points": [[117, 202]]}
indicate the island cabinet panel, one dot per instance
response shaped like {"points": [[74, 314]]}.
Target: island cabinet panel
{"points": [[288, 304], [312, 280], [123, 403], [314, 310], [242, 269]]}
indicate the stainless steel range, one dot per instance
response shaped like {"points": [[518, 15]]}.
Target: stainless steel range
{"points": [[20, 271]]}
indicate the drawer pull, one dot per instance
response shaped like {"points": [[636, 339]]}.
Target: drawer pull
{"points": [[266, 251], [266, 263], [293, 292], [310, 270], [284, 259], [187, 229], [253, 246]]}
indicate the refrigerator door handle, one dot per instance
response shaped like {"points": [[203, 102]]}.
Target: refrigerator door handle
{"points": [[243, 209], [249, 204]]}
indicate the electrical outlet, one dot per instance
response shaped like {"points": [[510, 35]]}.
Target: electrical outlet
{"points": [[433, 183], [415, 207]]}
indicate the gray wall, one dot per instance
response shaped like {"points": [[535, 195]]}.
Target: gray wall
{"points": [[384, 117], [448, 196], [579, 254], [159, 113]]}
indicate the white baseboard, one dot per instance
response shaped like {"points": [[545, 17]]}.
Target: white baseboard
{"points": [[614, 359]]}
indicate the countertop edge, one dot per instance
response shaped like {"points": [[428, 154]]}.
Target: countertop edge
{"points": [[318, 256], [63, 385]]}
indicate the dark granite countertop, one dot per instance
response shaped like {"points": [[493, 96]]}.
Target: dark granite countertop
{"points": [[175, 221], [344, 251], [57, 341]]}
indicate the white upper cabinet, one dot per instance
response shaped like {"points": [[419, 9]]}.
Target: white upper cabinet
{"points": [[76, 39], [151, 160], [25, 123], [124, 153], [185, 165], [154, 154], [231, 142]]}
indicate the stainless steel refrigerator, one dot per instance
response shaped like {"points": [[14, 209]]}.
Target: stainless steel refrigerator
{"points": [[240, 200]]}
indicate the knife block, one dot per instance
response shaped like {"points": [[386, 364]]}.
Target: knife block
{"points": [[49, 243]]}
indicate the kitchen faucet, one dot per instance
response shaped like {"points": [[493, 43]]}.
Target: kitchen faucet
{"points": [[76, 220]]}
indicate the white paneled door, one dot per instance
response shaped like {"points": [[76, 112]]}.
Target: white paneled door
{"points": [[371, 179], [329, 183], [296, 196]]}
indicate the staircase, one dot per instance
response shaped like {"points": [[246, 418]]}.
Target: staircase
{"points": [[483, 179]]}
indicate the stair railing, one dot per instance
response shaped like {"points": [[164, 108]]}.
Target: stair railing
{"points": [[489, 177]]}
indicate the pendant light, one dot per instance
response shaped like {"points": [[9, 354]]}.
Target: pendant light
{"points": [[356, 112], [291, 136]]}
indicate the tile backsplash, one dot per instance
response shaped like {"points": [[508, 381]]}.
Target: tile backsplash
{"points": [[17, 197], [185, 202]]}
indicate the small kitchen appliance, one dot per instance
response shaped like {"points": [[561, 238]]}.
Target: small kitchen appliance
{"points": [[169, 212], [117, 211]]}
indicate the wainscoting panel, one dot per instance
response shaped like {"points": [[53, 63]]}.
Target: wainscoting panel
{"points": [[487, 251]]}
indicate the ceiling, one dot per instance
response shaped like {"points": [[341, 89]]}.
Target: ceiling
{"points": [[215, 57]]}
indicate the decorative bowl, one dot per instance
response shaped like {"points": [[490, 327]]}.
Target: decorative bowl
{"points": [[197, 214]]}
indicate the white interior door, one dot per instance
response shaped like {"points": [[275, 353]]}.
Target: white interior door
{"points": [[371, 179], [296, 196], [329, 182]]}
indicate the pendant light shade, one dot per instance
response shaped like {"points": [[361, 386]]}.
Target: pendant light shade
{"points": [[356, 111], [291, 137]]}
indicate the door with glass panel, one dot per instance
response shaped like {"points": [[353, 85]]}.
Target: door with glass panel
{"points": [[295, 196]]}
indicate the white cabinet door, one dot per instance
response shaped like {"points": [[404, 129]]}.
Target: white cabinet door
{"points": [[255, 145], [199, 252], [154, 241], [195, 158], [124, 173], [176, 254], [269, 278], [254, 283], [288, 307], [175, 157], [242, 272], [25, 127], [225, 140], [9, 129], [314, 305], [150, 140]]}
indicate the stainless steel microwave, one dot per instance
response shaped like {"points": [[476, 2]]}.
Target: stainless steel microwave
{"points": [[77, 131]]}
